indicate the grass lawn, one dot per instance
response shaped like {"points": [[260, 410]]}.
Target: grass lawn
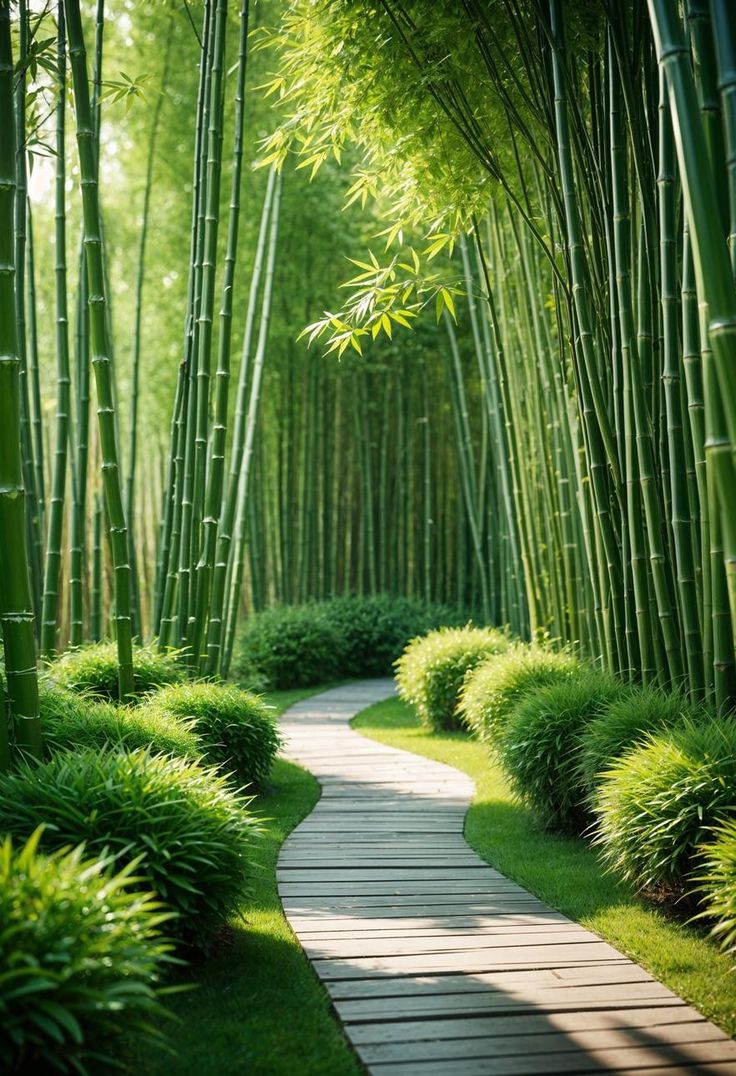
{"points": [[565, 871], [258, 1007]]}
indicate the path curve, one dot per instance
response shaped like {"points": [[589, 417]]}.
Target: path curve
{"points": [[436, 964]]}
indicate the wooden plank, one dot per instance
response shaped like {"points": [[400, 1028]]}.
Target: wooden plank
{"points": [[701, 1058], [525, 1024], [486, 1003], [416, 925], [409, 873], [514, 985], [359, 947], [470, 961], [682, 1036], [317, 909]]}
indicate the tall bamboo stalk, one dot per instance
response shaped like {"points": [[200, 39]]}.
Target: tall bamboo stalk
{"points": [[239, 438], [63, 380], [216, 469], [135, 363], [16, 607], [100, 345]]}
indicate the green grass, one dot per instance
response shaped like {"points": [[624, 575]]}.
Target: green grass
{"points": [[564, 871], [258, 1007]]}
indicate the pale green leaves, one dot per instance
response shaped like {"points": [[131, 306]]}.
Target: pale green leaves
{"points": [[382, 297], [127, 89]]}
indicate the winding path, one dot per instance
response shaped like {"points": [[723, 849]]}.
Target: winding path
{"points": [[436, 964]]}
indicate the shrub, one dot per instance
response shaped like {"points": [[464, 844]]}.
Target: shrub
{"points": [[294, 646], [375, 630], [628, 721], [718, 884], [299, 645], [496, 686], [431, 670], [194, 835], [237, 730], [73, 721], [94, 670], [659, 801], [541, 741], [81, 956]]}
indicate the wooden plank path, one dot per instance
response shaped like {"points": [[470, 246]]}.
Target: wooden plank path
{"points": [[436, 964]]}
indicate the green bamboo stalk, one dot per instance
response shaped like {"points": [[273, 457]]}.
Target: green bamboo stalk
{"points": [[33, 365], [136, 349], [50, 616], [80, 463], [689, 602], [205, 314], [724, 39], [80, 456], [188, 528], [95, 622], [216, 470], [233, 604], [34, 523], [601, 447], [712, 265], [16, 607], [100, 345], [239, 439]]}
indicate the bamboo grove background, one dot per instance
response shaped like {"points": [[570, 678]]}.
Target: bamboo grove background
{"points": [[528, 404]]}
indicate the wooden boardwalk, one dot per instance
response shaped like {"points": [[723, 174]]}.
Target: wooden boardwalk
{"points": [[438, 965]]}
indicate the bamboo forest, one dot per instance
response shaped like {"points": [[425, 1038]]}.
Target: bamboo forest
{"points": [[367, 537]]}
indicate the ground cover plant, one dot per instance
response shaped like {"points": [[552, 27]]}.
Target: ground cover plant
{"points": [[93, 670], [235, 729], [194, 836], [70, 721], [492, 689], [82, 960], [431, 672], [565, 871]]}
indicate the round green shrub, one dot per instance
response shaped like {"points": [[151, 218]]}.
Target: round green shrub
{"points": [[193, 834], [431, 671], [657, 804], [375, 629], [627, 722], [80, 959], [718, 884], [237, 730], [74, 721], [94, 670], [495, 687], [293, 646], [539, 747], [296, 646]]}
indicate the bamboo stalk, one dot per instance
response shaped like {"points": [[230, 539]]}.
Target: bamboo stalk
{"points": [[100, 345], [16, 607], [50, 614]]}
